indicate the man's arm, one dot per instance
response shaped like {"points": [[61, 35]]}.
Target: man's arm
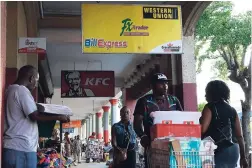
{"points": [[138, 118], [138, 125], [30, 109]]}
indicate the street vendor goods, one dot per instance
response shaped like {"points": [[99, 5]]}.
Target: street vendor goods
{"points": [[94, 151], [176, 142], [49, 158]]}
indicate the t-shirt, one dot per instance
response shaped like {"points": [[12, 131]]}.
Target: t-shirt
{"points": [[148, 104], [20, 132]]}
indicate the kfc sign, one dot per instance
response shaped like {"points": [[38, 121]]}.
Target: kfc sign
{"points": [[87, 84]]}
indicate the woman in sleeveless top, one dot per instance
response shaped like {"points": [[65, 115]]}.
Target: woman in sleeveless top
{"points": [[124, 141], [220, 121]]}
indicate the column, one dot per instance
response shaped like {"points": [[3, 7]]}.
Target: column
{"points": [[106, 123], [3, 17], [99, 125], [115, 114], [129, 102], [93, 123], [84, 130], [90, 125], [11, 42], [87, 127], [189, 74]]}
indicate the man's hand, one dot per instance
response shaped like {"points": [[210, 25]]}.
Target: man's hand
{"points": [[145, 141], [64, 119]]}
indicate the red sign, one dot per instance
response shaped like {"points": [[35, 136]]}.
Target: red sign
{"points": [[87, 84], [32, 45], [72, 124]]}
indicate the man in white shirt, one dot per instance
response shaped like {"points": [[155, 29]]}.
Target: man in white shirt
{"points": [[20, 137]]}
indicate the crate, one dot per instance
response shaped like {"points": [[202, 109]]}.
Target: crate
{"points": [[158, 158], [175, 130]]}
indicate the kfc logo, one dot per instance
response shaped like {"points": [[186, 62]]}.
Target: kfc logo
{"points": [[87, 84]]}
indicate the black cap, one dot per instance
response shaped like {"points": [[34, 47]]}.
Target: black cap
{"points": [[158, 77]]}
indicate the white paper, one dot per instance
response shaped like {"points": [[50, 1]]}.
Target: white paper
{"points": [[55, 109]]}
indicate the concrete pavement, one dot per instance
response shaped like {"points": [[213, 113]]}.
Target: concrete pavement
{"points": [[90, 165]]}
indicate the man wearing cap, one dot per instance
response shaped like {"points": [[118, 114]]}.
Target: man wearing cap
{"points": [[159, 100]]}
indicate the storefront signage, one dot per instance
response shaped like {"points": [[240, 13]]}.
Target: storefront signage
{"points": [[87, 84], [69, 130], [131, 29], [72, 124], [32, 45]]}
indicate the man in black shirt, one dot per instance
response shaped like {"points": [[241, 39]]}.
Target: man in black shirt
{"points": [[160, 100]]}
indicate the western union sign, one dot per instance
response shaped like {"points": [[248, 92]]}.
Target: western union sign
{"points": [[160, 12]]}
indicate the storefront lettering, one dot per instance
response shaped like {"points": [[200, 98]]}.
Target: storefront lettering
{"points": [[127, 23], [129, 29], [160, 12], [97, 81], [101, 43], [30, 43]]}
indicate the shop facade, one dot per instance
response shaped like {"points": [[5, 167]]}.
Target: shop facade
{"points": [[24, 19]]}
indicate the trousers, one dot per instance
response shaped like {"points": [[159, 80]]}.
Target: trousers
{"points": [[18, 159], [227, 158]]}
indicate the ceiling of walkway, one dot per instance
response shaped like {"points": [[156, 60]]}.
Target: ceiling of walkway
{"points": [[72, 8]]}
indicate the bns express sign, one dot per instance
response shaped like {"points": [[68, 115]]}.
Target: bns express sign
{"points": [[87, 84]]}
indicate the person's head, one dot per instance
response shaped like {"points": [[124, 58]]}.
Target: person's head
{"points": [[93, 133], [66, 134], [78, 137], [75, 137], [217, 90], [159, 84], [73, 79], [207, 164], [28, 76], [124, 113]]}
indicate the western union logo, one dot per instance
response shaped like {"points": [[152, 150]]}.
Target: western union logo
{"points": [[160, 13]]}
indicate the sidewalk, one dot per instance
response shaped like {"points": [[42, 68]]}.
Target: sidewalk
{"points": [[90, 165]]}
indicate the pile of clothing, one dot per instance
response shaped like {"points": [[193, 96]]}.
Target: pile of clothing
{"points": [[51, 159], [94, 150]]}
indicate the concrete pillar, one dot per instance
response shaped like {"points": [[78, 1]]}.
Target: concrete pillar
{"points": [[93, 123], [84, 130], [129, 102], [87, 128], [106, 123], [3, 17], [17, 27], [115, 114], [79, 131], [11, 42], [90, 125], [189, 74], [99, 125]]}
